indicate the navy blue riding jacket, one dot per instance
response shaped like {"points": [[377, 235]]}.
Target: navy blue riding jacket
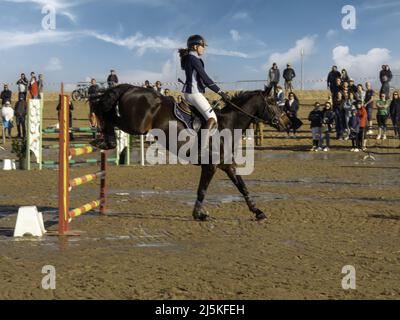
{"points": [[197, 79]]}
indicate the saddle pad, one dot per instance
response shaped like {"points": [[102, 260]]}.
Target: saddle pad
{"points": [[184, 117]]}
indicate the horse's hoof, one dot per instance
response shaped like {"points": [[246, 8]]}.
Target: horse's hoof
{"points": [[200, 216], [260, 216]]}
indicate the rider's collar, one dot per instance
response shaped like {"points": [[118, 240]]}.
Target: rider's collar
{"points": [[194, 53]]}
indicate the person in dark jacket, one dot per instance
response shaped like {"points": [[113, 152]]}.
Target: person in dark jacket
{"points": [[6, 95], [291, 108], [20, 115], [316, 117], [197, 80], [338, 109], [289, 74], [336, 88], [345, 76], [395, 113], [328, 122], [332, 76], [352, 87], [354, 130], [385, 77], [112, 79]]}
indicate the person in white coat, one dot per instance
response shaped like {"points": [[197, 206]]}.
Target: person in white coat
{"points": [[7, 115]]}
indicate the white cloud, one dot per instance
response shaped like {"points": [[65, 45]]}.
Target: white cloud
{"points": [[331, 33], [12, 39], [54, 64], [363, 65], [241, 15], [235, 35], [293, 55]]}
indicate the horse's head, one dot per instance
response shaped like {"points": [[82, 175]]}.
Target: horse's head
{"points": [[272, 114]]}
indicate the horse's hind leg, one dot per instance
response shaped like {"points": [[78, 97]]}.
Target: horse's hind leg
{"points": [[207, 174], [230, 170]]}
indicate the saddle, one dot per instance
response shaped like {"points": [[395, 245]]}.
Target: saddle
{"points": [[189, 116]]}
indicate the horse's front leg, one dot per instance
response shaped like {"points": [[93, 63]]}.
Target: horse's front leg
{"points": [[230, 170], [207, 174]]}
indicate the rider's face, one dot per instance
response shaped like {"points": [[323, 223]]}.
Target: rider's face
{"points": [[200, 50]]}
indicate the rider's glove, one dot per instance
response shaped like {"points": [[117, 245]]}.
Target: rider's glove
{"points": [[225, 97]]}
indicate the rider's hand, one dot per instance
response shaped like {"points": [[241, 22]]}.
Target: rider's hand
{"points": [[225, 97]]}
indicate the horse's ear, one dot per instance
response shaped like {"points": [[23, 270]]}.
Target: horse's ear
{"points": [[267, 90]]}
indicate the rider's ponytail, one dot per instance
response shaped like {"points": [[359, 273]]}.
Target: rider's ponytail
{"points": [[183, 53]]}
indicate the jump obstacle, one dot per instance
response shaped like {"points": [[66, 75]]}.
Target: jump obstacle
{"points": [[35, 133], [65, 184]]}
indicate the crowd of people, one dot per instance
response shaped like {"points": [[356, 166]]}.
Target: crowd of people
{"points": [[348, 112]]}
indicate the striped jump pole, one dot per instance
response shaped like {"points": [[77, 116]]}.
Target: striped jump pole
{"points": [[65, 184]]}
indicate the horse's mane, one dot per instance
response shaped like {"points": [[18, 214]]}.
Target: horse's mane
{"points": [[241, 97]]}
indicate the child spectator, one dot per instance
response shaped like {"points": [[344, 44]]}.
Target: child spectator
{"points": [[383, 107], [7, 114], [291, 108], [369, 105], [363, 116], [354, 130], [327, 125], [315, 118], [395, 113]]}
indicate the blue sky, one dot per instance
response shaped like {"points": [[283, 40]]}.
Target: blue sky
{"points": [[139, 38]]}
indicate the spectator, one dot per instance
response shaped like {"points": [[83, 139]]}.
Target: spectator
{"points": [[338, 109], [147, 84], [112, 79], [345, 87], [20, 114], [369, 105], [291, 108], [383, 106], [345, 76], [360, 94], [40, 83], [332, 76], [328, 121], [6, 95], [336, 88], [280, 97], [34, 88], [93, 91], [7, 114], [352, 87], [348, 108], [315, 118], [354, 130], [179, 99], [158, 87], [289, 75], [274, 77], [32, 75], [385, 77], [22, 84], [363, 116], [71, 108], [395, 113], [167, 93]]}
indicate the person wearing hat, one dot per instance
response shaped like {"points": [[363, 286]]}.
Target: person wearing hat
{"points": [[197, 80], [289, 75], [7, 114], [112, 79]]}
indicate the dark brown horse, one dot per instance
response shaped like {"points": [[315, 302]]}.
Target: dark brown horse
{"points": [[141, 110]]}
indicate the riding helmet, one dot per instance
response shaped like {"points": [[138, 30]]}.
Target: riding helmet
{"points": [[196, 40]]}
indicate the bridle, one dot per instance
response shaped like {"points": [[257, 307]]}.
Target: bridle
{"points": [[267, 110]]}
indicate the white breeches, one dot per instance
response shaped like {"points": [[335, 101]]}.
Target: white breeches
{"points": [[202, 105]]}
